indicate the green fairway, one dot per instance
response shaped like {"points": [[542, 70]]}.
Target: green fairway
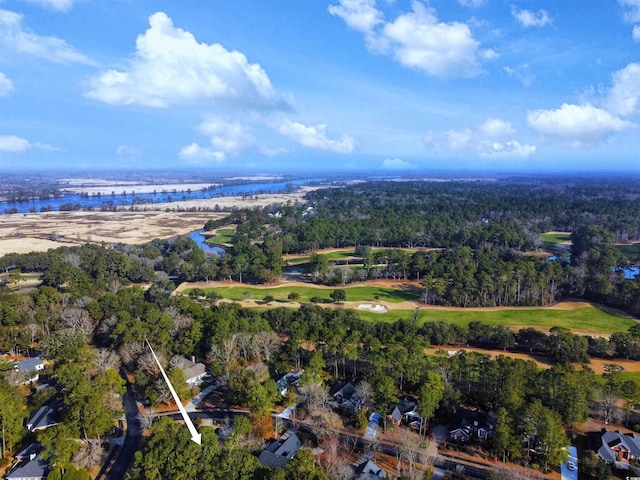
{"points": [[556, 237], [584, 319], [337, 255], [354, 294], [223, 235]]}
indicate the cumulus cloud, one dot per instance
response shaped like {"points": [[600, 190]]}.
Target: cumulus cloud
{"points": [[472, 3], [631, 10], [196, 154], [492, 138], [528, 18], [58, 5], [17, 38], [416, 39], [579, 125], [170, 66], [225, 138], [396, 164], [624, 96], [315, 137], [6, 86], [15, 144]]}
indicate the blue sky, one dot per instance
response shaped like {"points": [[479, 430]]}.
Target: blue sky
{"points": [[344, 85]]}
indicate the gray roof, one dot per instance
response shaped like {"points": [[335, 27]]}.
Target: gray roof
{"points": [[277, 454], [30, 364], [288, 380], [28, 450], [191, 369], [366, 468], [46, 416], [629, 442], [32, 469]]}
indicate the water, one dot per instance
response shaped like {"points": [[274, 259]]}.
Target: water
{"points": [[198, 237], [141, 199], [629, 272]]}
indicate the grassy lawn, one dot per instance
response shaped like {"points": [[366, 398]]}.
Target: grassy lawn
{"points": [[581, 319], [337, 255], [557, 237], [632, 252], [280, 294], [223, 235]]}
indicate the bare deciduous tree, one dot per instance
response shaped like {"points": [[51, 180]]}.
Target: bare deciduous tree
{"points": [[105, 359], [266, 344]]}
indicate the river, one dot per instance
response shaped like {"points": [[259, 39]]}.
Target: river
{"points": [[128, 199]]}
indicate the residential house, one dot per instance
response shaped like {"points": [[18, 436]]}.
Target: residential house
{"points": [[469, 424], [614, 446], [193, 372], [366, 469], [43, 418], [279, 452], [348, 398], [30, 368], [30, 466], [404, 411], [291, 379]]}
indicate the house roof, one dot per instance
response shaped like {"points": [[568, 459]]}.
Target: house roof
{"points": [[609, 440], [466, 417], [396, 414], [277, 454], [190, 369], [366, 468], [46, 416], [30, 469], [30, 364], [288, 380], [28, 450]]}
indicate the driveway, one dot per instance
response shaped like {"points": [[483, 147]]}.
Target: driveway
{"points": [[564, 470]]}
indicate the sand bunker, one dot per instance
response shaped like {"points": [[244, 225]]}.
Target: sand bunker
{"points": [[372, 308]]}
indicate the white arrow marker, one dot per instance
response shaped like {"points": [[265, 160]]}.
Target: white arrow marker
{"points": [[195, 436]]}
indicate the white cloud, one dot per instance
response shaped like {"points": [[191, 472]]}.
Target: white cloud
{"points": [[13, 143], [396, 164], [631, 10], [197, 154], [417, 39], [15, 37], [492, 138], [472, 3], [521, 73], [624, 96], [361, 15], [635, 33], [171, 67], [528, 18], [273, 152], [128, 151], [6, 86], [58, 5], [315, 137], [47, 147], [580, 125]]}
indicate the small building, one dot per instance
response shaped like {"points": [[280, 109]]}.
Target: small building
{"points": [[281, 451], [348, 398], [469, 424], [291, 379], [193, 372], [43, 418], [30, 466], [366, 469], [616, 446], [30, 368]]}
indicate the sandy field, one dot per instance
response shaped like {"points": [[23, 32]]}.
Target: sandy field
{"points": [[29, 232]]}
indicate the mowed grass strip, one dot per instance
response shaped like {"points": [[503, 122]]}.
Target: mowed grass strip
{"points": [[354, 294], [555, 237], [583, 319], [632, 251], [223, 235], [336, 255]]}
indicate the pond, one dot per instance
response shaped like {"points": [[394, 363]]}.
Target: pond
{"points": [[198, 237]]}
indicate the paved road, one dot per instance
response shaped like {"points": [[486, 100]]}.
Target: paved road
{"points": [[132, 440]]}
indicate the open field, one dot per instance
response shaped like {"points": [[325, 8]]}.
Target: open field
{"points": [[221, 236], [105, 187], [556, 237], [331, 254], [23, 233], [401, 298], [631, 251]]}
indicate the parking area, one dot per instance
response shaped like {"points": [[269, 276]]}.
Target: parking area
{"points": [[569, 469]]}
